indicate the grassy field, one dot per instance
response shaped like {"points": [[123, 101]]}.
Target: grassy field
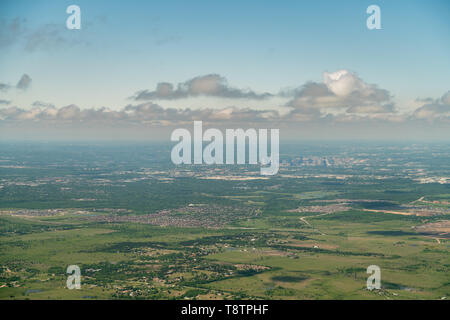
{"points": [[147, 261], [140, 228]]}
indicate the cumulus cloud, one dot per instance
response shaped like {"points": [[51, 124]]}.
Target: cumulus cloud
{"points": [[342, 90], [24, 82], [341, 99], [207, 85], [434, 109], [151, 113]]}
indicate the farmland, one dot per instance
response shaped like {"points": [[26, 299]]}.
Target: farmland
{"points": [[141, 228]]}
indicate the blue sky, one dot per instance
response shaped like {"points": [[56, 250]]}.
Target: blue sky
{"points": [[265, 46]]}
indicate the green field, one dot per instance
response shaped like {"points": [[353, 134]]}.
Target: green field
{"points": [[309, 233]]}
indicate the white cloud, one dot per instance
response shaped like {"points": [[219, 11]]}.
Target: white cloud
{"points": [[207, 85], [438, 109], [341, 99], [342, 90]]}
